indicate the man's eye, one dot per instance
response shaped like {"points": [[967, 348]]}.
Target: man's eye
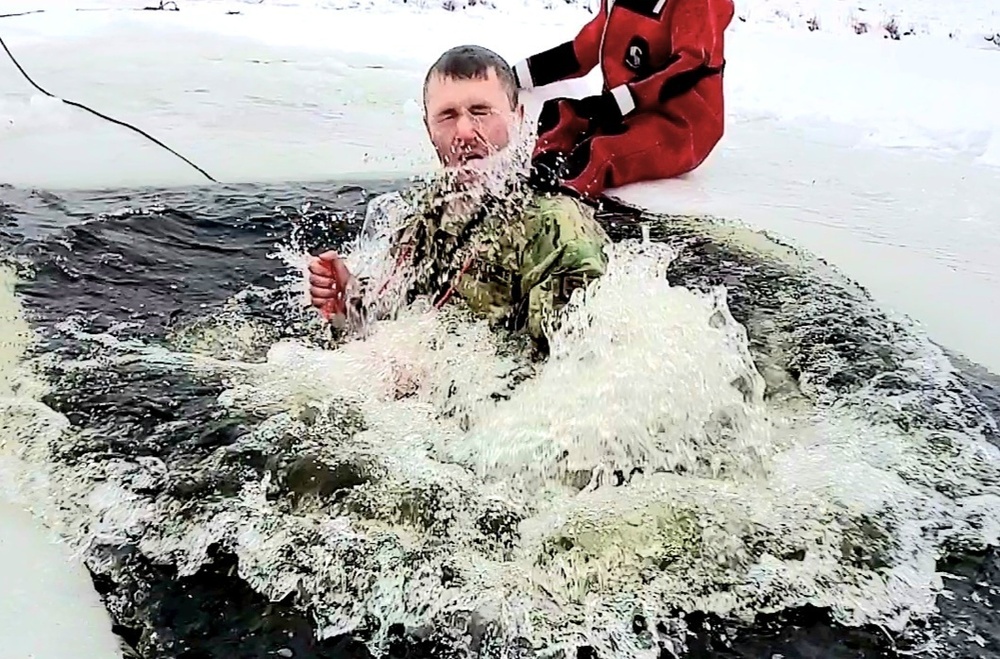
{"points": [[482, 112]]}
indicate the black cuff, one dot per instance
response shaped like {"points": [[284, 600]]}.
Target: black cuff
{"points": [[610, 113], [601, 109], [554, 64]]}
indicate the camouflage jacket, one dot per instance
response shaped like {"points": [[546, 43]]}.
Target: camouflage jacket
{"points": [[514, 266]]}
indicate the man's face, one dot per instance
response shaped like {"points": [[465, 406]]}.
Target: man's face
{"points": [[468, 119]]}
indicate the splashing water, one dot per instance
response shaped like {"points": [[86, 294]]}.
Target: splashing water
{"points": [[426, 462], [665, 407], [497, 181], [430, 474]]}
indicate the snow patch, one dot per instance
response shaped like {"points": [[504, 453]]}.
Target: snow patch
{"points": [[37, 113], [991, 155]]}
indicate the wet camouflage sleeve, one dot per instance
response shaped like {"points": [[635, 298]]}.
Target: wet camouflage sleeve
{"points": [[565, 250]]}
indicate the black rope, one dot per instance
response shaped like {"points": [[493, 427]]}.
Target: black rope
{"points": [[22, 13], [98, 114]]}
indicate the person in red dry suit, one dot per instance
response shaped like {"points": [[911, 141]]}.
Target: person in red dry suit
{"points": [[661, 110]]}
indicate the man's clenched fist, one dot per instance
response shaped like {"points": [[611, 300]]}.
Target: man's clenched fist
{"points": [[329, 282]]}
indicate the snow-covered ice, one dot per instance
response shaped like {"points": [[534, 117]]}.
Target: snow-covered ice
{"points": [[877, 154], [882, 156], [49, 609]]}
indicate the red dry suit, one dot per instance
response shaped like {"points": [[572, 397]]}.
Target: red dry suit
{"points": [[661, 110]]}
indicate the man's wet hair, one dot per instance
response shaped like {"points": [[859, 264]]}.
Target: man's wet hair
{"points": [[468, 62]]}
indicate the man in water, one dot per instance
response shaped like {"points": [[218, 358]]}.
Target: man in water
{"points": [[512, 254]]}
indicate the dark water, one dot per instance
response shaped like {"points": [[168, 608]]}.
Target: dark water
{"points": [[156, 257], [141, 262]]}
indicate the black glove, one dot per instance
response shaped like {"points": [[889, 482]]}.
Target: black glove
{"points": [[601, 109]]}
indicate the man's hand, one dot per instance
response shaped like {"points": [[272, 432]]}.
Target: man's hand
{"points": [[329, 281]]}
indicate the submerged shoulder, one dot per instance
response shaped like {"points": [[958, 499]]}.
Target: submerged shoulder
{"points": [[565, 215], [560, 206]]}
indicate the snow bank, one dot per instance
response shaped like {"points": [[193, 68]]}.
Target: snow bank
{"points": [[968, 21], [923, 94], [49, 609], [822, 127], [941, 98]]}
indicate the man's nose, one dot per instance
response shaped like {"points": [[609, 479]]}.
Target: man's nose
{"points": [[466, 128]]}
